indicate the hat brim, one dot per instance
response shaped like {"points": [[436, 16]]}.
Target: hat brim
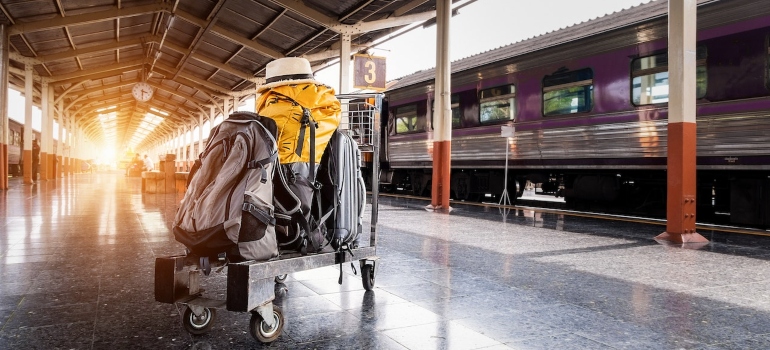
{"points": [[268, 86]]}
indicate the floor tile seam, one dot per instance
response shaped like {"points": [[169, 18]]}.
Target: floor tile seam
{"points": [[13, 314], [96, 314], [679, 337]]}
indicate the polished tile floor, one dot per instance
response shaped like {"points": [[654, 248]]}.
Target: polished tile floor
{"points": [[77, 255]]}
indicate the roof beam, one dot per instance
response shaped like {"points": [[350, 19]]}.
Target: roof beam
{"points": [[364, 27], [28, 27], [167, 70], [85, 92], [79, 81], [116, 45], [7, 15], [408, 7], [118, 68]]}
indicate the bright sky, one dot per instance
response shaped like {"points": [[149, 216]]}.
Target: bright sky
{"points": [[482, 26]]}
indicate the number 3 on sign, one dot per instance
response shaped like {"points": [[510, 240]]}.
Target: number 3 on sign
{"points": [[369, 72], [371, 76]]}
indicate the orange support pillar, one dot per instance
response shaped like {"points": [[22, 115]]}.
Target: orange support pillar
{"points": [[680, 202], [442, 151], [26, 156], [682, 132], [3, 166], [4, 132], [43, 166]]}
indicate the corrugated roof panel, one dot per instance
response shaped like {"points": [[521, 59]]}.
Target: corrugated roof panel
{"points": [[78, 7], [376, 7], [63, 66], [110, 80], [198, 69], [321, 40], [182, 33], [98, 33], [239, 23], [97, 59], [199, 8], [249, 63], [135, 25], [40, 70], [217, 48], [258, 14], [169, 57], [224, 79], [295, 27], [132, 53], [277, 39], [17, 42], [46, 42], [32, 10]]}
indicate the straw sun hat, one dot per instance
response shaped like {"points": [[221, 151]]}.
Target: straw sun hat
{"points": [[288, 70]]}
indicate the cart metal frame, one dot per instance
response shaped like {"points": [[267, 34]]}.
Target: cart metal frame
{"points": [[251, 284]]}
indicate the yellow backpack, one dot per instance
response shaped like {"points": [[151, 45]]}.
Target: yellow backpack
{"points": [[294, 107]]}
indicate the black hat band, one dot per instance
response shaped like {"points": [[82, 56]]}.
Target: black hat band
{"points": [[289, 77]]}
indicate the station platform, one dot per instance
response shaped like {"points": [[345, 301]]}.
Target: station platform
{"points": [[77, 257]]}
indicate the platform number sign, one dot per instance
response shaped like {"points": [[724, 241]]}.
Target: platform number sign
{"points": [[369, 72]]}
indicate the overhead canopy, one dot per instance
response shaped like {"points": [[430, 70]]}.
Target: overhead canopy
{"points": [[194, 53]]}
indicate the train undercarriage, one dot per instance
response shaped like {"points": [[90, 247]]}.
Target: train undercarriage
{"points": [[723, 197]]}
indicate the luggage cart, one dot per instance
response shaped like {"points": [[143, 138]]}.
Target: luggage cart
{"points": [[251, 284]]}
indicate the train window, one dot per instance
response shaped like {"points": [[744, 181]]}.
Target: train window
{"points": [[497, 103], [456, 116], [568, 92], [406, 119], [649, 78], [15, 138]]}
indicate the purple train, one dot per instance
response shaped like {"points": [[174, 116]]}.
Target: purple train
{"points": [[589, 108]]}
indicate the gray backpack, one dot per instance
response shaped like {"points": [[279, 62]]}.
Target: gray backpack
{"points": [[228, 205], [343, 191]]}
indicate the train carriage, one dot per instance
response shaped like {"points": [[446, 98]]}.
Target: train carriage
{"points": [[589, 107]]}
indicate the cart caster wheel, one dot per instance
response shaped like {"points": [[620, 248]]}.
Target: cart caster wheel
{"points": [[367, 276], [260, 330], [198, 324], [281, 278]]}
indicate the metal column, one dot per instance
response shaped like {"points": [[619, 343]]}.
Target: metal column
{"points": [[4, 107], [442, 127], [344, 64], [50, 158], [45, 132], [200, 134], [59, 159], [680, 204], [27, 146]]}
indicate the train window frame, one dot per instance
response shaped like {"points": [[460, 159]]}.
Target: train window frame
{"points": [[509, 96], [457, 119], [580, 81], [397, 117], [701, 76], [767, 61]]}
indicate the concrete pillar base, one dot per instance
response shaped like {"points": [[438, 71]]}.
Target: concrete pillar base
{"points": [[683, 238], [438, 209]]}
